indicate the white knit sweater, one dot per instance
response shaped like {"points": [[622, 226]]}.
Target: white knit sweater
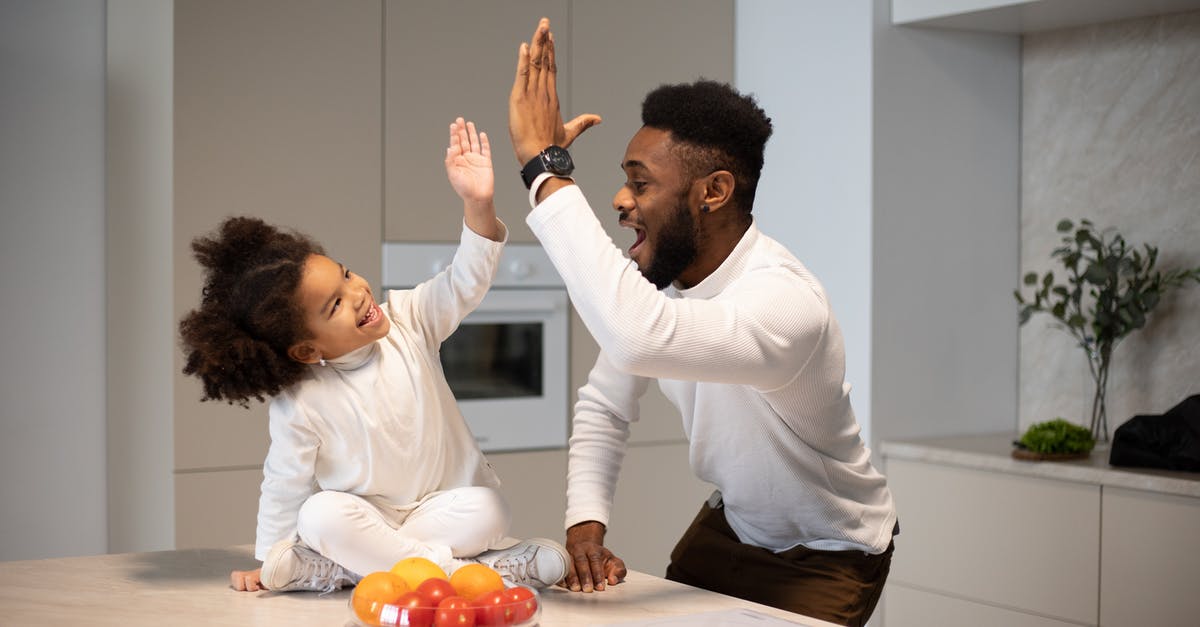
{"points": [[752, 357], [381, 421]]}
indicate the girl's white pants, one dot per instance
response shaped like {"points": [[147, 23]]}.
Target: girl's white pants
{"points": [[363, 537]]}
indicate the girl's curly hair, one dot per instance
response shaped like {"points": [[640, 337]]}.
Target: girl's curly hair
{"points": [[237, 340]]}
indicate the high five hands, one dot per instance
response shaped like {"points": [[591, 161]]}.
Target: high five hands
{"points": [[534, 119]]}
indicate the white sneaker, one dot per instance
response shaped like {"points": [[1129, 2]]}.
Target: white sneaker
{"points": [[291, 565], [539, 562]]}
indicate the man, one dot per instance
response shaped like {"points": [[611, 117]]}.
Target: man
{"points": [[741, 339]]}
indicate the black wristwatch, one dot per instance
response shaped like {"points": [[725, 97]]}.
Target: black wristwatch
{"points": [[553, 159]]}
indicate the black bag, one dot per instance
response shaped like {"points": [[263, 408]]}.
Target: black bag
{"points": [[1170, 441]]}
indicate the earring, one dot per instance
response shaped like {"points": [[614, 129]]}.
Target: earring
{"points": [[703, 208], [322, 361]]}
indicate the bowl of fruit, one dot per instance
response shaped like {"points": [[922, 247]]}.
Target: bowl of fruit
{"points": [[417, 592]]}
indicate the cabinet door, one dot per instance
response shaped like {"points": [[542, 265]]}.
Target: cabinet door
{"points": [[908, 607], [277, 115], [445, 59], [622, 49], [1149, 551], [1018, 542]]}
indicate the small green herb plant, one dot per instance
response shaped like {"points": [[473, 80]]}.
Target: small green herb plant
{"points": [[1057, 436]]}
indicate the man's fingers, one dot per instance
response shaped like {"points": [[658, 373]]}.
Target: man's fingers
{"points": [[596, 563], [583, 570], [545, 77], [576, 127], [616, 570], [520, 82], [537, 51]]}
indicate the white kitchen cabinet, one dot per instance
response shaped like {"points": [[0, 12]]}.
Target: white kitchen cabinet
{"points": [[216, 508], [1024, 16], [446, 59], [905, 605], [989, 540], [1150, 550], [277, 114], [676, 41], [1014, 542], [657, 497]]}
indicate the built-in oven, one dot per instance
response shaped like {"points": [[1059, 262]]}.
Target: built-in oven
{"points": [[507, 363]]}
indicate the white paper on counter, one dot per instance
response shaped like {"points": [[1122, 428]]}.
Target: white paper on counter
{"points": [[723, 618]]}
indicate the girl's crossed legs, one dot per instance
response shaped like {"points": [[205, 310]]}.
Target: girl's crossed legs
{"points": [[364, 538]]}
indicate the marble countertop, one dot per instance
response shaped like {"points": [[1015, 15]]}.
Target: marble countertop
{"points": [[994, 452], [191, 587]]}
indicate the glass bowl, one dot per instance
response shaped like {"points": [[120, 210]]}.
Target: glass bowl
{"points": [[515, 606]]}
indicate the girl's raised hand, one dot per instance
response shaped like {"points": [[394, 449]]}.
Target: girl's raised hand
{"points": [[469, 163]]}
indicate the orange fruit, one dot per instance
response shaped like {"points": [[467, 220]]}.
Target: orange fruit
{"points": [[375, 591], [415, 570], [474, 580]]}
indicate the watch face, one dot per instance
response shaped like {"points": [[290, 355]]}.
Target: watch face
{"points": [[558, 160]]}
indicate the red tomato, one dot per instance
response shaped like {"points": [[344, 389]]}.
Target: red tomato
{"points": [[493, 608], [454, 611], [433, 590], [414, 611], [522, 602]]}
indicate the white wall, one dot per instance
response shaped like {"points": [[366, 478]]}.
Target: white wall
{"points": [[809, 65], [946, 151], [141, 326], [52, 316], [893, 174]]}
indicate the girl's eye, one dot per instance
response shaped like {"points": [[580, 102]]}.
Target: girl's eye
{"points": [[336, 304], [347, 275]]}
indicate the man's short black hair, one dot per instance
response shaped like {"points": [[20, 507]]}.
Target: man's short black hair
{"points": [[715, 128]]}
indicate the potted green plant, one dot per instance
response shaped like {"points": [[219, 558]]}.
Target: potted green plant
{"points": [[1109, 289], [1054, 439]]}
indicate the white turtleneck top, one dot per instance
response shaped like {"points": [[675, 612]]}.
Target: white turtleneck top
{"points": [[381, 422], [753, 358]]}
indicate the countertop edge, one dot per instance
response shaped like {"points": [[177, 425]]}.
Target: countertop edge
{"points": [[993, 452]]}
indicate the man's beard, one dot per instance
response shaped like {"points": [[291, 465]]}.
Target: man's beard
{"points": [[675, 248]]}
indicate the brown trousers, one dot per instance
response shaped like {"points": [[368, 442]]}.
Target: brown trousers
{"points": [[837, 586]]}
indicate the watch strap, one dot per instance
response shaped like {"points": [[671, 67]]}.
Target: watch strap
{"points": [[537, 184]]}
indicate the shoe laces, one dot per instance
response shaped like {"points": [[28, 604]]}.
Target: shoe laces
{"points": [[320, 572], [521, 568]]}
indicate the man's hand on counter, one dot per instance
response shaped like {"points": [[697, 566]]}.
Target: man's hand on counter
{"points": [[592, 565]]}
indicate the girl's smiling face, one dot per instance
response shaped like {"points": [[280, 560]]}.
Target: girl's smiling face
{"points": [[339, 311]]}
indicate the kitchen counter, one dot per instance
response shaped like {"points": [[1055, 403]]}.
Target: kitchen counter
{"points": [[994, 453], [191, 587]]}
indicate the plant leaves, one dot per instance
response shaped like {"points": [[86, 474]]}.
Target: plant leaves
{"points": [[1064, 226], [1096, 274], [1031, 278]]}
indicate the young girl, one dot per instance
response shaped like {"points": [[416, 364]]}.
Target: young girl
{"points": [[370, 459]]}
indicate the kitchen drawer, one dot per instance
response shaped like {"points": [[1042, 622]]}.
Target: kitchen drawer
{"points": [[908, 607], [1151, 554], [216, 508], [1007, 540]]}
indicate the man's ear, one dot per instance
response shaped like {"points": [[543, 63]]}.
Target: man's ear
{"points": [[304, 352], [718, 190]]}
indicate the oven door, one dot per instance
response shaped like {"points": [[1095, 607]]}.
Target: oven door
{"points": [[507, 366]]}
